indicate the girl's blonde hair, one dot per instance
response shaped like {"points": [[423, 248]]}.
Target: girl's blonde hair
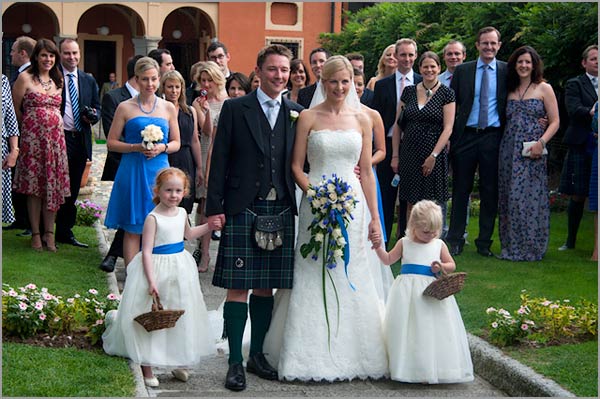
{"points": [[427, 215], [174, 75], [213, 70], [165, 174], [381, 63]]}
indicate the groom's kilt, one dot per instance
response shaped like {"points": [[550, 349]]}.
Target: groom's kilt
{"points": [[241, 264]]}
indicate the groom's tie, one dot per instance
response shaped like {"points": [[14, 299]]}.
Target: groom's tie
{"points": [[272, 112]]}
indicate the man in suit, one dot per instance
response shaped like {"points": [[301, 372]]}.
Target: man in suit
{"points": [[79, 90], [110, 101], [387, 97], [581, 94], [250, 176], [455, 54], [20, 54], [481, 92], [217, 52], [317, 58]]}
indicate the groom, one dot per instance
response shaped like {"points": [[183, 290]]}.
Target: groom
{"points": [[251, 176]]}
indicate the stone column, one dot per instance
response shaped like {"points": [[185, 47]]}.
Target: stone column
{"points": [[143, 45]]}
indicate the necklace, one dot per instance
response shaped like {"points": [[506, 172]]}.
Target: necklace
{"points": [[429, 92], [523, 95], [153, 105], [45, 85]]}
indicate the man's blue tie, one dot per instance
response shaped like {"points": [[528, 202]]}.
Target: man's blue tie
{"points": [[74, 102], [483, 99]]}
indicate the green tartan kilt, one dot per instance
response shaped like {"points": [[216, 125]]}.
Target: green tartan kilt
{"points": [[241, 264]]}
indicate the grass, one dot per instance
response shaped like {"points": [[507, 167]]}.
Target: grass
{"points": [[35, 371], [560, 275]]}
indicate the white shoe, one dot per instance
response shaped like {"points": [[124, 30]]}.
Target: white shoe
{"points": [[181, 374], [151, 382]]}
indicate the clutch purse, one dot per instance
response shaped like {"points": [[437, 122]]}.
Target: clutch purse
{"points": [[527, 145], [446, 284]]}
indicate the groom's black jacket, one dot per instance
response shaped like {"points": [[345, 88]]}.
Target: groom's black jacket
{"points": [[237, 160]]}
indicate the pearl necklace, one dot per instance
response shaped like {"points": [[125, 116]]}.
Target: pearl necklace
{"points": [[429, 92], [153, 105]]}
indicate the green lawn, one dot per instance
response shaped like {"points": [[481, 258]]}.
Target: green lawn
{"points": [[35, 371], [560, 275]]}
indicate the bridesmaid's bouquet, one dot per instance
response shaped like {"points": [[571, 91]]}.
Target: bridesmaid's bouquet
{"points": [[151, 135], [331, 202]]}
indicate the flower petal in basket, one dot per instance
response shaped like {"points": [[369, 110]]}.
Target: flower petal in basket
{"points": [[446, 285], [158, 318]]}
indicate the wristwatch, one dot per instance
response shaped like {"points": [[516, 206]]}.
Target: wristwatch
{"points": [[434, 155]]}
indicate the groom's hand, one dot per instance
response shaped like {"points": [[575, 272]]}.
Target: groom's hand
{"points": [[357, 172], [217, 220]]}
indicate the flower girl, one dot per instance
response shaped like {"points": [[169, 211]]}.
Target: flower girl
{"points": [[425, 337], [164, 268]]}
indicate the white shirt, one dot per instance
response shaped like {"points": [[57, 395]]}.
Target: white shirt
{"points": [[445, 78], [131, 90], [68, 123], [263, 100], [24, 66]]}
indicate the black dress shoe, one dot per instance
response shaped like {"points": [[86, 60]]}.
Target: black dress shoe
{"points": [[455, 250], [257, 364], [73, 241], [108, 264], [484, 252], [24, 233], [236, 377]]}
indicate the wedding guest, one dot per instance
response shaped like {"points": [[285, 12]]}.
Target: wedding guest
{"points": [[299, 79], [455, 54], [385, 67], [365, 95], [254, 80], [189, 157], [42, 171], [208, 109], [413, 320], [357, 60], [317, 59], [523, 202], [422, 162], [217, 53], [237, 85], [10, 149], [193, 90], [110, 85], [165, 270], [131, 197], [581, 93], [164, 59]]}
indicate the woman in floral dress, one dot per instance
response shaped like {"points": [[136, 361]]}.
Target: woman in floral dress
{"points": [[42, 171]]}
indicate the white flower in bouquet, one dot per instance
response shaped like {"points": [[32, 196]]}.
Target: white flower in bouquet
{"points": [[151, 135]]}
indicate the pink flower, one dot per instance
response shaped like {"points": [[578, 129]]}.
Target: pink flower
{"points": [[47, 296], [70, 300], [99, 322], [31, 286], [494, 325], [92, 291], [56, 319], [524, 327], [554, 306], [112, 297], [39, 305], [22, 305], [546, 303], [12, 293], [522, 310], [42, 316]]}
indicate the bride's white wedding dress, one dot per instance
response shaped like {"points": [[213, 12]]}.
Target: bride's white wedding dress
{"points": [[297, 343]]}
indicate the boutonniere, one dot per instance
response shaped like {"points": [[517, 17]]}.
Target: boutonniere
{"points": [[294, 116]]}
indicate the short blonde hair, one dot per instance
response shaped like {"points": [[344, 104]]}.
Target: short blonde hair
{"points": [[144, 64], [214, 71], [425, 214], [381, 64], [334, 64]]}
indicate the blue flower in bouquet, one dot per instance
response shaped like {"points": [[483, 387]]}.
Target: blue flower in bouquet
{"points": [[331, 202]]}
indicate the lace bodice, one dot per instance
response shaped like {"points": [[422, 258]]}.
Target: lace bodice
{"points": [[333, 151]]}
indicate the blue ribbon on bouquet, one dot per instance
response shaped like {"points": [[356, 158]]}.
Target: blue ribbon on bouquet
{"points": [[338, 218]]}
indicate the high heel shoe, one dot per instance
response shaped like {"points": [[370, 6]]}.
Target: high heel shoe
{"points": [[36, 242], [50, 245]]}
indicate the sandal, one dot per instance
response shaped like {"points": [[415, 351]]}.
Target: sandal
{"points": [[35, 238], [50, 245], [203, 268]]}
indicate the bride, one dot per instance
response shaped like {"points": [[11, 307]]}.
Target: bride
{"points": [[335, 135]]}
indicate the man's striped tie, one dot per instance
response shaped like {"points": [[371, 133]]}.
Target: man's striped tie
{"points": [[74, 102]]}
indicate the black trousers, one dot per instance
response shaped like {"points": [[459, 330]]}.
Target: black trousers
{"points": [[116, 248], [479, 150], [77, 156], [385, 174]]}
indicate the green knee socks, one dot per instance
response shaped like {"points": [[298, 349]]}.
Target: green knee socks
{"points": [[235, 315], [261, 308]]}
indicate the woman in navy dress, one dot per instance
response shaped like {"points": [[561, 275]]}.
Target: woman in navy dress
{"points": [[523, 202], [131, 197]]}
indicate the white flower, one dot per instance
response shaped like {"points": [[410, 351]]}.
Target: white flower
{"points": [[316, 203], [490, 310], [319, 237], [331, 188], [294, 115], [311, 193], [150, 135], [337, 232], [494, 325], [341, 241], [338, 253], [92, 291], [333, 197]]}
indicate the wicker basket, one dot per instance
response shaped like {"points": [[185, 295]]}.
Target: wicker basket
{"points": [[158, 318], [446, 285]]}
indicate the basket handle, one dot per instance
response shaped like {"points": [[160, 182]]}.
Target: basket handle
{"points": [[156, 305], [442, 272]]}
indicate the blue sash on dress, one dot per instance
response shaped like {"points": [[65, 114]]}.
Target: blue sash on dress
{"points": [[411, 268], [167, 249]]}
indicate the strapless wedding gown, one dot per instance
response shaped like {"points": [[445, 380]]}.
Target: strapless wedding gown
{"points": [[297, 343]]}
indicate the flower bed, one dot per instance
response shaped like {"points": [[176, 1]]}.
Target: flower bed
{"points": [[87, 212]]}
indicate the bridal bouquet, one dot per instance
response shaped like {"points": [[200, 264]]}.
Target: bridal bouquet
{"points": [[151, 135], [332, 202]]}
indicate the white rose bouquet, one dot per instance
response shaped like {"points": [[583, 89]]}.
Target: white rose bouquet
{"points": [[151, 135], [332, 202]]}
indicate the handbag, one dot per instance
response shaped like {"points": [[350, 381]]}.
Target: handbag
{"points": [[527, 145], [401, 120], [158, 318], [268, 230], [446, 284]]}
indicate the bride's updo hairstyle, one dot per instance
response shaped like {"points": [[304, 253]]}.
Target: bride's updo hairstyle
{"points": [[144, 64], [427, 215], [334, 64], [165, 174]]}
